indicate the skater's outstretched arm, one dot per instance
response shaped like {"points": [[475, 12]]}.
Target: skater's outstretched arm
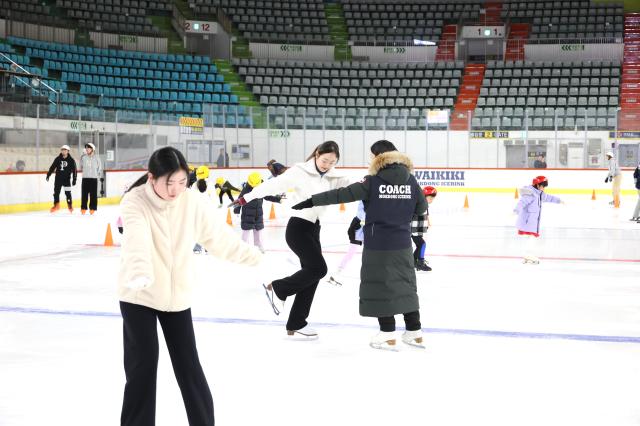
{"points": [[550, 198], [276, 185], [220, 240], [348, 194], [53, 167]]}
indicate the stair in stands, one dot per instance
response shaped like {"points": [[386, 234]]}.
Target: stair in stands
{"points": [[240, 89], [491, 15], [447, 45], [338, 31], [467, 96], [629, 116], [516, 39]]}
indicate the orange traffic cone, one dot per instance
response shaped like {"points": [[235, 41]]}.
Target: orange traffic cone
{"points": [[342, 207], [516, 196], [466, 201], [272, 214], [229, 221], [108, 238], [593, 195]]}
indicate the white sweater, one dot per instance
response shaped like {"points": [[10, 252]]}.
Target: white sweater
{"points": [[305, 180], [157, 246]]}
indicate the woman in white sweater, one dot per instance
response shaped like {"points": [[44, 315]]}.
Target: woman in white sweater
{"points": [[163, 221], [317, 174]]}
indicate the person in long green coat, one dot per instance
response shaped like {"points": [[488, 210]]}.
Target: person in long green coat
{"points": [[391, 196]]}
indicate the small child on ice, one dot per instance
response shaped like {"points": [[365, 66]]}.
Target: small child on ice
{"points": [[356, 236], [252, 218], [418, 229], [529, 209], [225, 188]]}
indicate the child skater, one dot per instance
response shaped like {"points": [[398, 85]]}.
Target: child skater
{"points": [[66, 172], [529, 209], [317, 174], [163, 221], [225, 188], [356, 236], [252, 218], [391, 197], [91, 172], [418, 228]]}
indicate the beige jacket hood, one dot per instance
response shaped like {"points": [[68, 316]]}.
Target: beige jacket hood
{"points": [[158, 242]]}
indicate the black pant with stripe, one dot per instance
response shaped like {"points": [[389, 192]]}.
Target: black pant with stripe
{"points": [[141, 365]]}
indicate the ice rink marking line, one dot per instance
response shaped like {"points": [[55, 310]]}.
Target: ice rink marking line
{"points": [[452, 331]]}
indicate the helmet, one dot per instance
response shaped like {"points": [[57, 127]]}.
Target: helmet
{"points": [[254, 179], [610, 154], [202, 172], [65, 147], [429, 191], [540, 180], [90, 145], [220, 180]]}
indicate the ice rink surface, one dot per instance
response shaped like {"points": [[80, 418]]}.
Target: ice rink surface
{"points": [[506, 343]]}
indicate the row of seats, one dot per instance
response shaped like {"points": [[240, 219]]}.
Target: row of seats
{"points": [[296, 77], [118, 82], [602, 112], [101, 64], [445, 102], [352, 83], [554, 72], [119, 92], [342, 66], [362, 92], [549, 101], [538, 123], [574, 82], [115, 53], [117, 72], [550, 91]]}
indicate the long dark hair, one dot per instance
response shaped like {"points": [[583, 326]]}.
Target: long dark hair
{"points": [[163, 162], [382, 146], [325, 148]]}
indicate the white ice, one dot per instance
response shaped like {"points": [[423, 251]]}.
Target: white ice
{"points": [[506, 343]]}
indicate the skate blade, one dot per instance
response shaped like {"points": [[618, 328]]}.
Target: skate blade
{"points": [[333, 282], [415, 344], [384, 347], [270, 296], [297, 337]]}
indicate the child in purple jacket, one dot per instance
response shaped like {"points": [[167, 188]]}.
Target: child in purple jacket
{"points": [[529, 209]]}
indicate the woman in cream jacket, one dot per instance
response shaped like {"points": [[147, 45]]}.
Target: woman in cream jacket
{"points": [[315, 175], [163, 221]]}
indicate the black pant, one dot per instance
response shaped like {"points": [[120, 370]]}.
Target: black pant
{"points": [[228, 192], [303, 238], [58, 184], [89, 190], [411, 322], [419, 242], [141, 365]]}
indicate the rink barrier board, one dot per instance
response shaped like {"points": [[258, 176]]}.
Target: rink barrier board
{"points": [[24, 192]]}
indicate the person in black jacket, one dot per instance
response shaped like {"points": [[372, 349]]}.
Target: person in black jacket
{"points": [[225, 188], [276, 168], [636, 179], [252, 218], [391, 197], [66, 172]]}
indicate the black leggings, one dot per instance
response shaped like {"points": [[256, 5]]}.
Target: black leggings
{"points": [[411, 322], [228, 192], [303, 238], [141, 365]]}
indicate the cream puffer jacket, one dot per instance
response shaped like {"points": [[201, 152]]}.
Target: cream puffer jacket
{"points": [[157, 247], [304, 180]]}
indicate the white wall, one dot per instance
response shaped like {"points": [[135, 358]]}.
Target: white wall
{"points": [[292, 51], [574, 52], [32, 188]]}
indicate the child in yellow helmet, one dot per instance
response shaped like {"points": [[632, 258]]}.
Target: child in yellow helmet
{"points": [[225, 188], [252, 218]]}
